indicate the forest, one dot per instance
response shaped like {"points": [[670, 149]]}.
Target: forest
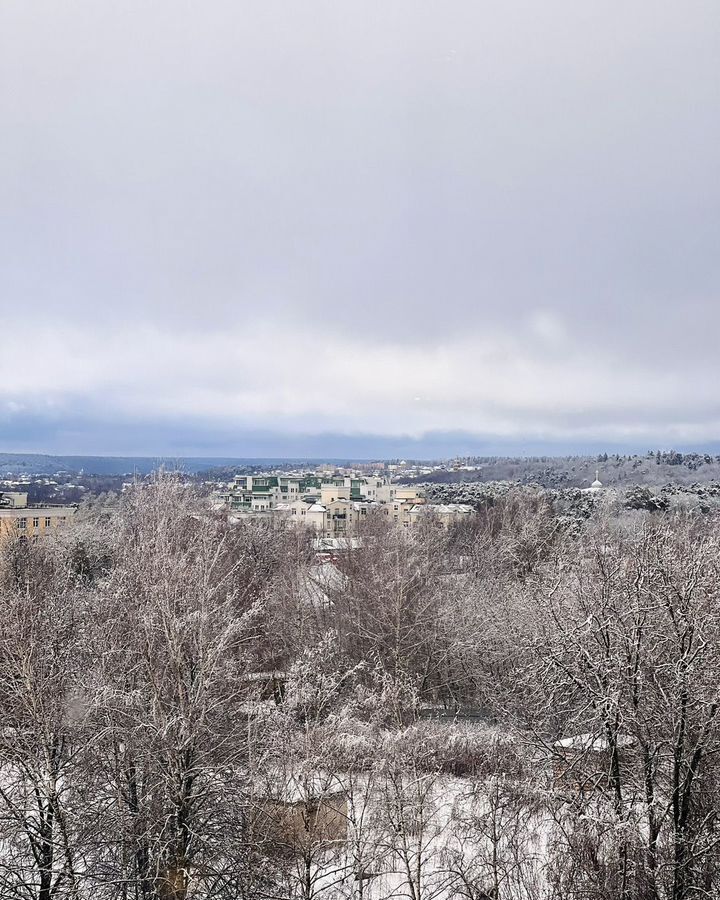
{"points": [[523, 706]]}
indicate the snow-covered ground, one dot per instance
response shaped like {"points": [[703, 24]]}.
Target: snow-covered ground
{"points": [[431, 837]]}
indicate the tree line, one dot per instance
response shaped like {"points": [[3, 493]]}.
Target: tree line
{"points": [[510, 708]]}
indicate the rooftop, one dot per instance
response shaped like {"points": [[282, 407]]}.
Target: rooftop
{"points": [[590, 742]]}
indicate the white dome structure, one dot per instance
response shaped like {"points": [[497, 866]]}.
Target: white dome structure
{"points": [[597, 484]]}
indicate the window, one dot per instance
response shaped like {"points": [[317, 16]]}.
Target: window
{"points": [[62, 519], [22, 523], [48, 521], [36, 522]]}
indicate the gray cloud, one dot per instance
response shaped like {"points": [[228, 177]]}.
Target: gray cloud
{"points": [[261, 215]]}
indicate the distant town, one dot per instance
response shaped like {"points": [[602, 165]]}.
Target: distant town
{"points": [[336, 498]]}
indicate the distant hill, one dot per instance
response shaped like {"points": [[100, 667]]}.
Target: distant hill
{"points": [[655, 469], [46, 464], [652, 468]]}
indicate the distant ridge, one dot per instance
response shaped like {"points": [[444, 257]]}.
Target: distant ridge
{"points": [[47, 464]]}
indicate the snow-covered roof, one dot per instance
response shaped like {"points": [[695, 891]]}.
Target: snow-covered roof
{"points": [[327, 573], [337, 543], [315, 587], [590, 742], [445, 509]]}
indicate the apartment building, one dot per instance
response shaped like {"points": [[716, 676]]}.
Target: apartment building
{"points": [[335, 518], [17, 517], [334, 503], [340, 517], [263, 493], [398, 511]]}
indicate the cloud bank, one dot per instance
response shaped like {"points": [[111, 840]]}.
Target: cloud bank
{"points": [[259, 225], [530, 384]]}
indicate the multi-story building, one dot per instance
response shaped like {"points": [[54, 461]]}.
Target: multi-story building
{"points": [[334, 518], [342, 517], [398, 511], [333, 502], [17, 517], [263, 493]]}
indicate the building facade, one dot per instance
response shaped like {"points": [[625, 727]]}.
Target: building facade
{"points": [[19, 519], [334, 504]]}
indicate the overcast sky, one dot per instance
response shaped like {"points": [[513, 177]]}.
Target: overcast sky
{"points": [[256, 228]]}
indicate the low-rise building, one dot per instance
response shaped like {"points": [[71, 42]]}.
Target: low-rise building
{"points": [[18, 518], [446, 513]]}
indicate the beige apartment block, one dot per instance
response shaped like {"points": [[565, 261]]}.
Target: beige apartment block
{"points": [[403, 492], [18, 519], [334, 519], [329, 493]]}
